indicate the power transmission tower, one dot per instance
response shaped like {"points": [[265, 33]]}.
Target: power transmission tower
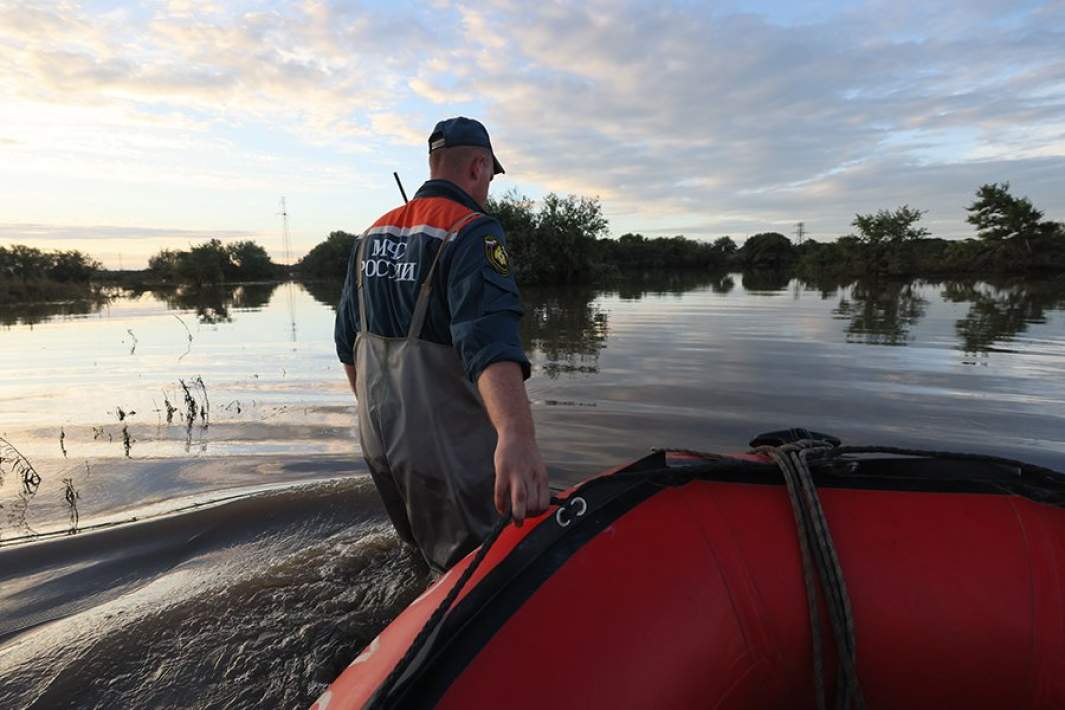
{"points": [[288, 264], [800, 231], [284, 232]]}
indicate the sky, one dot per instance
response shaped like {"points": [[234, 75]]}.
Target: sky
{"points": [[128, 127]]}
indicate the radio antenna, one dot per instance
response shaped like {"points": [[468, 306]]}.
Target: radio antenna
{"points": [[400, 185]]}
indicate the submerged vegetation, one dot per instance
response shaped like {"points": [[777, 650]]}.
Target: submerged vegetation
{"points": [[16, 468], [12, 462]]}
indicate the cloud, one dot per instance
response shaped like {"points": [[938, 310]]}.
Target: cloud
{"points": [[665, 111], [311, 64], [681, 117], [42, 233]]}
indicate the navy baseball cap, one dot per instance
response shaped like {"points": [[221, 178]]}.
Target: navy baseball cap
{"points": [[457, 131]]}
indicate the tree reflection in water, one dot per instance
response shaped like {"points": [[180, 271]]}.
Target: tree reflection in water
{"points": [[565, 327], [766, 282], [213, 303], [33, 313], [326, 292], [999, 311], [881, 312], [632, 286], [568, 329]]}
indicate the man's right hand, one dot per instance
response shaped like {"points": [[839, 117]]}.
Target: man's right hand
{"points": [[521, 478]]}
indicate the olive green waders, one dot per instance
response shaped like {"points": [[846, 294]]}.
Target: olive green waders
{"points": [[424, 431]]}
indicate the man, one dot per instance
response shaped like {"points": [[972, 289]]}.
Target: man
{"points": [[427, 329]]}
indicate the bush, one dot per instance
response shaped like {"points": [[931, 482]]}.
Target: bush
{"points": [[29, 264], [214, 263], [635, 252], [555, 244], [769, 250], [329, 259]]}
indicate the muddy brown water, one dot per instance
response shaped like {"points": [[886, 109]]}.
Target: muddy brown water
{"points": [[240, 557]]}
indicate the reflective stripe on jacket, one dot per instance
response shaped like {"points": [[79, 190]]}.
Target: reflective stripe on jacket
{"points": [[475, 304]]}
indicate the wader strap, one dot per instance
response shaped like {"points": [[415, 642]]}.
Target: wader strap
{"points": [[422, 305], [360, 252]]}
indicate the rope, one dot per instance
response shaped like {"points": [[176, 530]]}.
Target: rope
{"points": [[813, 533], [815, 544], [802, 524], [381, 697]]}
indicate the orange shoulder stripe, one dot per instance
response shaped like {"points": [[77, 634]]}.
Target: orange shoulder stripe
{"points": [[438, 212]]}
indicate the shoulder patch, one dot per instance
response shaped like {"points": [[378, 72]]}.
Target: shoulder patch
{"points": [[496, 254]]}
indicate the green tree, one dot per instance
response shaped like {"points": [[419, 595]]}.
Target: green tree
{"points": [[555, 244], [328, 259], [206, 263], [890, 226], [888, 236], [725, 246], [998, 215], [25, 263], [768, 250], [72, 266], [164, 265], [250, 261]]}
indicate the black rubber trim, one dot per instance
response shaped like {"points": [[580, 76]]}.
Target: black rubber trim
{"points": [[911, 474], [655, 461], [474, 620]]}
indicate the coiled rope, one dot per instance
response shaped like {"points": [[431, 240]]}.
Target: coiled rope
{"points": [[819, 554], [820, 563]]}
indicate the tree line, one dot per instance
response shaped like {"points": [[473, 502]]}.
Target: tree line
{"points": [[213, 263], [27, 272], [1011, 236], [24, 264], [565, 239], [561, 240]]}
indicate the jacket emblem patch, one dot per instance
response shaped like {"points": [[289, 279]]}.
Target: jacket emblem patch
{"points": [[496, 254]]}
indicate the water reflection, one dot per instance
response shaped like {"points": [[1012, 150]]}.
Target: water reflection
{"points": [[325, 292], [33, 313], [1000, 311], [213, 303], [766, 282], [566, 326], [633, 286], [881, 312]]}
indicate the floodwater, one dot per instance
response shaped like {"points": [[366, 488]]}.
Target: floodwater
{"points": [[195, 528]]}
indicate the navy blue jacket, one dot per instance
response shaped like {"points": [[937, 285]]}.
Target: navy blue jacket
{"points": [[474, 305]]}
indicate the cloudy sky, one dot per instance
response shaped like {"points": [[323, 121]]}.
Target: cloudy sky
{"points": [[129, 126]]}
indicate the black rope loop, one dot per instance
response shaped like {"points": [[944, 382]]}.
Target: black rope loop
{"points": [[819, 555], [381, 698], [821, 566]]}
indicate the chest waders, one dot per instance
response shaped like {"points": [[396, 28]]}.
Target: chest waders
{"points": [[424, 431]]}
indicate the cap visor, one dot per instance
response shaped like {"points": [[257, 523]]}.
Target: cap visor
{"points": [[498, 167]]}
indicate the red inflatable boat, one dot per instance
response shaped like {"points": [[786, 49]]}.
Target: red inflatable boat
{"points": [[678, 582]]}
